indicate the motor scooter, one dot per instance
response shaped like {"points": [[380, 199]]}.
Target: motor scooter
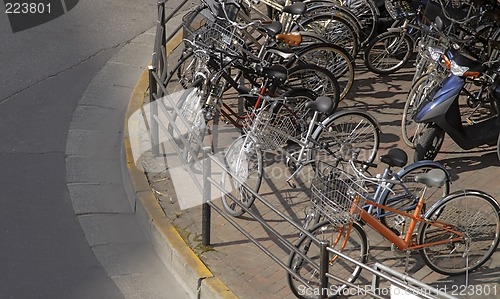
{"points": [[440, 111]]}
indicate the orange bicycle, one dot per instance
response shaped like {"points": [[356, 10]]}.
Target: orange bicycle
{"points": [[456, 235]]}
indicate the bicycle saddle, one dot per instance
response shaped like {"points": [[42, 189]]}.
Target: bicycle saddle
{"points": [[322, 104], [433, 178], [272, 28], [395, 157], [277, 73], [298, 8]]}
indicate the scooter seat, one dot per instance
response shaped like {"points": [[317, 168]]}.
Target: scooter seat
{"points": [[298, 8], [273, 28], [433, 178], [395, 157]]}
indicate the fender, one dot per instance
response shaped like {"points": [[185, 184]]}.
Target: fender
{"points": [[343, 112], [455, 194], [441, 101], [415, 165]]}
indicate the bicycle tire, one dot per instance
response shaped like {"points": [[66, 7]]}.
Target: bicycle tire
{"points": [[428, 142], [313, 77], [345, 130], [335, 59], [326, 6], [472, 212], [498, 147], [419, 90], [183, 72], [380, 57], [406, 200], [368, 14], [356, 247], [335, 29], [191, 123], [242, 158]]}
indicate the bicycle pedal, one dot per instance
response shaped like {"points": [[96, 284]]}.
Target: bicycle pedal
{"points": [[291, 184]]}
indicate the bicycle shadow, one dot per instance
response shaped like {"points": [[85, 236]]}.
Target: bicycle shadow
{"points": [[465, 164], [486, 275]]}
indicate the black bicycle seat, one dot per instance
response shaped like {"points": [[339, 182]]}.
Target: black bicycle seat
{"points": [[277, 73], [395, 157], [298, 8], [272, 28], [433, 178], [322, 104]]}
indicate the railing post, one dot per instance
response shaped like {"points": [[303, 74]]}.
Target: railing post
{"points": [[323, 269], [163, 24], [375, 281], [207, 190], [153, 89]]}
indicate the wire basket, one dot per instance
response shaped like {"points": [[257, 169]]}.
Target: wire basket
{"points": [[271, 131], [338, 196], [399, 9], [192, 22], [211, 34]]}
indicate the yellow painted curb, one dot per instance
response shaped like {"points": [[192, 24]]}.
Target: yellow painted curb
{"points": [[162, 232]]}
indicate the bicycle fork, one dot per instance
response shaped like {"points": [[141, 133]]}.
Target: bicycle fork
{"points": [[303, 148]]}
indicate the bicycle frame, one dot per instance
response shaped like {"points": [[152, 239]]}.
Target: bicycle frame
{"points": [[389, 180], [406, 244]]}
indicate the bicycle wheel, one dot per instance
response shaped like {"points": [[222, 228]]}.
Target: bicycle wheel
{"points": [[349, 240], [405, 197], [420, 89], [498, 147], [388, 52], [183, 72], [333, 58], [346, 130], [367, 13], [335, 29], [471, 212], [192, 125], [244, 161], [326, 6], [313, 77]]}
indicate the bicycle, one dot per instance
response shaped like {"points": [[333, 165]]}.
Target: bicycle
{"points": [[455, 235], [391, 50], [332, 57], [209, 65], [311, 140]]}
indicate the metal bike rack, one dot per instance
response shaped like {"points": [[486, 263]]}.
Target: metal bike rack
{"points": [[165, 115]]}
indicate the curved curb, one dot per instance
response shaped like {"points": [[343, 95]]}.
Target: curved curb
{"points": [[169, 245]]}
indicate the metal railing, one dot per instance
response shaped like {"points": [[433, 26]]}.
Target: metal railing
{"points": [[166, 116]]}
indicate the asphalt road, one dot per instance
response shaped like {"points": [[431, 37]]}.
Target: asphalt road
{"points": [[43, 73]]}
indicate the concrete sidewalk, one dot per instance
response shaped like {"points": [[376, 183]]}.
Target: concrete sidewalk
{"points": [[236, 267]]}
